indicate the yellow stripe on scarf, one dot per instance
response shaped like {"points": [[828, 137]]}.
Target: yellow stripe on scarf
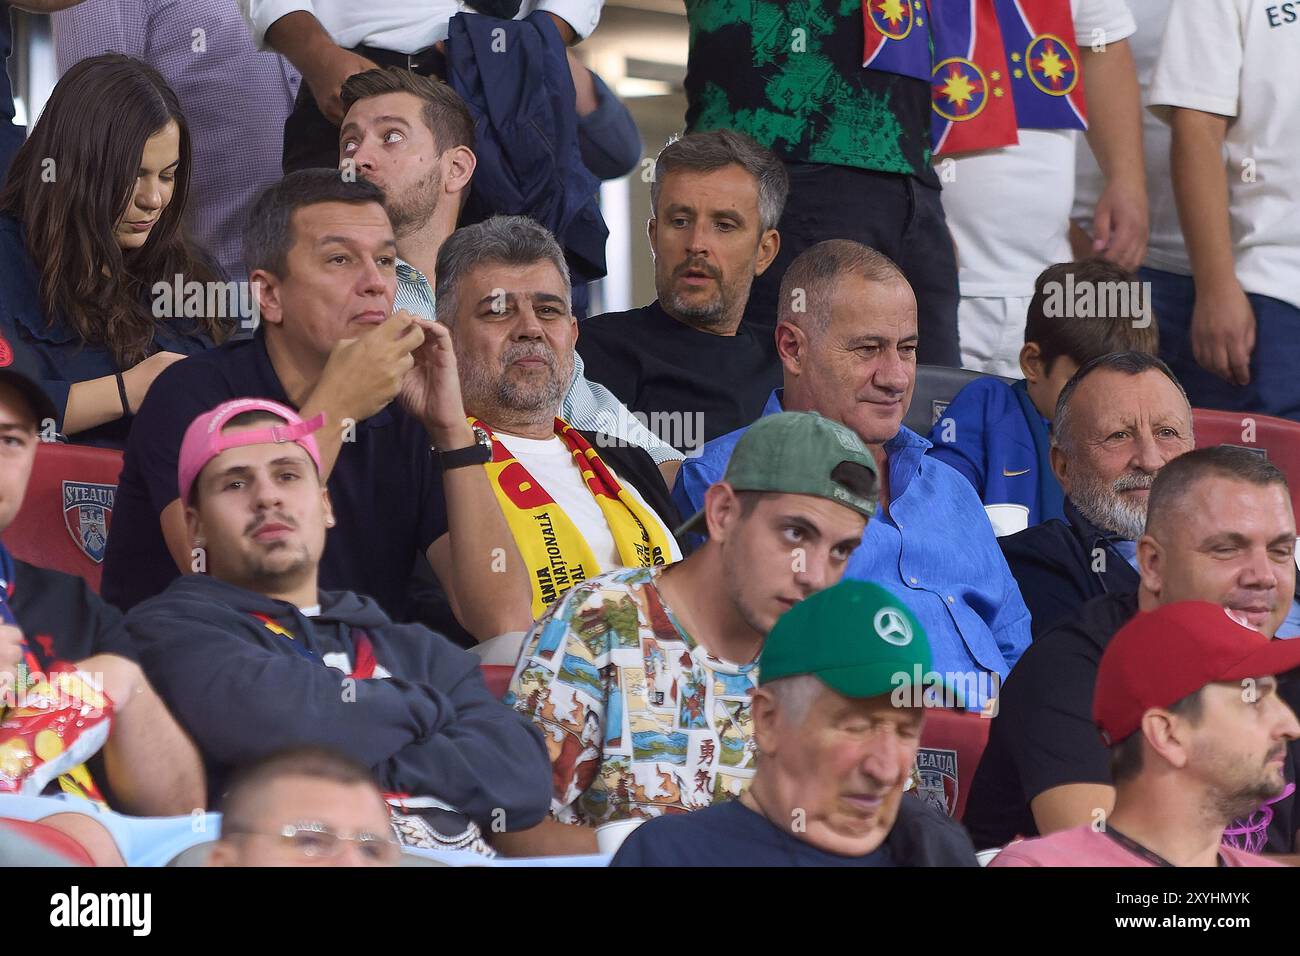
{"points": [[556, 553]]}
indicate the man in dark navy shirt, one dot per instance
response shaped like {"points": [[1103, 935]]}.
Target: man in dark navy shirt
{"points": [[837, 723], [1219, 528], [323, 253]]}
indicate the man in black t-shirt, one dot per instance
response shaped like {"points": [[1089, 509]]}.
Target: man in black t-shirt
{"points": [[686, 361], [1219, 528], [322, 253]]}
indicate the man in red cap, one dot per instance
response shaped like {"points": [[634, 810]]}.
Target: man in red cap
{"points": [[1187, 701]]}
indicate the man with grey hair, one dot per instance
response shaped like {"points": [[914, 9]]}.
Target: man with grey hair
{"points": [[847, 340], [577, 502], [686, 361], [1118, 421]]}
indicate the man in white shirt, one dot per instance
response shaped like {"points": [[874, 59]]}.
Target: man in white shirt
{"points": [[1224, 85], [578, 503], [330, 40], [1009, 208]]}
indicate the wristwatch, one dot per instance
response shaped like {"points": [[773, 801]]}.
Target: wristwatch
{"points": [[479, 453]]}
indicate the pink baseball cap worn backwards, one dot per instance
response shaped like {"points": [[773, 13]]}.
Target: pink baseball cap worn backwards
{"points": [[204, 440]]}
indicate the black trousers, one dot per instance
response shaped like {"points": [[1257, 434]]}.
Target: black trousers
{"points": [[894, 214]]}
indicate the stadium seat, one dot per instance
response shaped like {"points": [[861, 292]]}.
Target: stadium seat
{"points": [[497, 677], [47, 838], [1277, 439], [936, 386], [952, 744], [64, 521]]}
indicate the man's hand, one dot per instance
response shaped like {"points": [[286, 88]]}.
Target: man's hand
{"points": [[11, 657], [1223, 333], [431, 389], [364, 374], [326, 75], [1119, 225]]}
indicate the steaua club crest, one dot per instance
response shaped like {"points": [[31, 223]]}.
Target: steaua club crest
{"points": [[87, 512], [937, 770], [1052, 66]]}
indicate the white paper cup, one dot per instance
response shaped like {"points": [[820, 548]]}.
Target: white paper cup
{"points": [[610, 836]]}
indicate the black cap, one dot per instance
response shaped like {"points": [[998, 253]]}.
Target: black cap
{"points": [[39, 402]]}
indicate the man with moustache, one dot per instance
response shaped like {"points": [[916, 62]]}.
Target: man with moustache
{"points": [[577, 503], [715, 202], [1119, 420], [1188, 704], [1219, 528]]}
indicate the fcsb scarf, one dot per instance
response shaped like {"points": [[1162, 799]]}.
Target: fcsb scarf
{"points": [[994, 66], [557, 555]]}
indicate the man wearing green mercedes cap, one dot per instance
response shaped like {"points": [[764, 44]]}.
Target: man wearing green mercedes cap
{"points": [[837, 726], [640, 679]]}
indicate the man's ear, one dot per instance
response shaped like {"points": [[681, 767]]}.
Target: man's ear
{"points": [[1060, 467], [269, 296], [764, 712], [194, 526], [327, 505], [1167, 736], [1150, 559], [791, 346], [651, 231], [768, 247], [458, 165], [721, 510], [1031, 363]]}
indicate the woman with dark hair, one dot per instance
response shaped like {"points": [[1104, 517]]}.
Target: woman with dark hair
{"points": [[90, 222]]}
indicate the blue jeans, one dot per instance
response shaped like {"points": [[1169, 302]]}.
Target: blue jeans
{"points": [[1274, 387]]}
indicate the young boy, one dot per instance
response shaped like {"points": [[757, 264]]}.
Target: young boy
{"points": [[997, 434]]}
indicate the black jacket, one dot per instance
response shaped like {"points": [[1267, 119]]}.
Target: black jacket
{"points": [[243, 691], [1061, 564]]}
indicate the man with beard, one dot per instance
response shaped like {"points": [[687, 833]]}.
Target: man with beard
{"points": [[413, 137], [1118, 421], [577, 503], [687, 359], [256, 658], [1188, 704], [1219, 528]]}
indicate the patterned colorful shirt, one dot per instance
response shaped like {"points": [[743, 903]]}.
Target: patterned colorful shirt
{"points": [[789, 73], [639, 719]]}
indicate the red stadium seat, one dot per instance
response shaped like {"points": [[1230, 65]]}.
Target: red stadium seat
{"points": [[952, 744], [64, 521], [497, 677], [1276, 438], [48, 838]]}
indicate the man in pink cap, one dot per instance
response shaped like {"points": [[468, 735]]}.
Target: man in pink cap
{"points": [[1186, 700], [254, 658]]}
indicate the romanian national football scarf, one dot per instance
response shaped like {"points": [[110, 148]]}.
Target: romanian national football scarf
{"points": [[557, 555]]}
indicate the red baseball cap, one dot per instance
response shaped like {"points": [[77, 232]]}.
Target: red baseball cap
{"points": [[1161, 656], [204, 440]]}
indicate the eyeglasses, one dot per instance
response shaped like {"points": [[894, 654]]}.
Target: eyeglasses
{"points": [[318, 841]]}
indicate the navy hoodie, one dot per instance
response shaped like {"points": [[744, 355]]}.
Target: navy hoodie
{"points": [[243, 691]]}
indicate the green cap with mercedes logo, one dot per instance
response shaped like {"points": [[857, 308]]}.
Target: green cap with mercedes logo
{"points": [[856, 637], [801, 453]]}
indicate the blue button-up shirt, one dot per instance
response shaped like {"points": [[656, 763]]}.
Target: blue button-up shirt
{"points": [[934, 549]]}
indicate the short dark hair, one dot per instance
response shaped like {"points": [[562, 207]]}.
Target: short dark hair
{"points": [[705, 152], [1176, 479], [1126, 756], [503, 240], [818, 268], [239, 802], [445, 113], [1127, 363], [1084, 339], [269, 233]]}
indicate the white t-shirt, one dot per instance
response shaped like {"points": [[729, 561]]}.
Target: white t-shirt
{"points": [[551, 463], [1165, 247], [1009, 208], [1237, 58]]}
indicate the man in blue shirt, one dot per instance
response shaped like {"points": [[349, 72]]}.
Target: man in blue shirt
{"points": [[997, 434], [826, 792], [847, 341]]}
